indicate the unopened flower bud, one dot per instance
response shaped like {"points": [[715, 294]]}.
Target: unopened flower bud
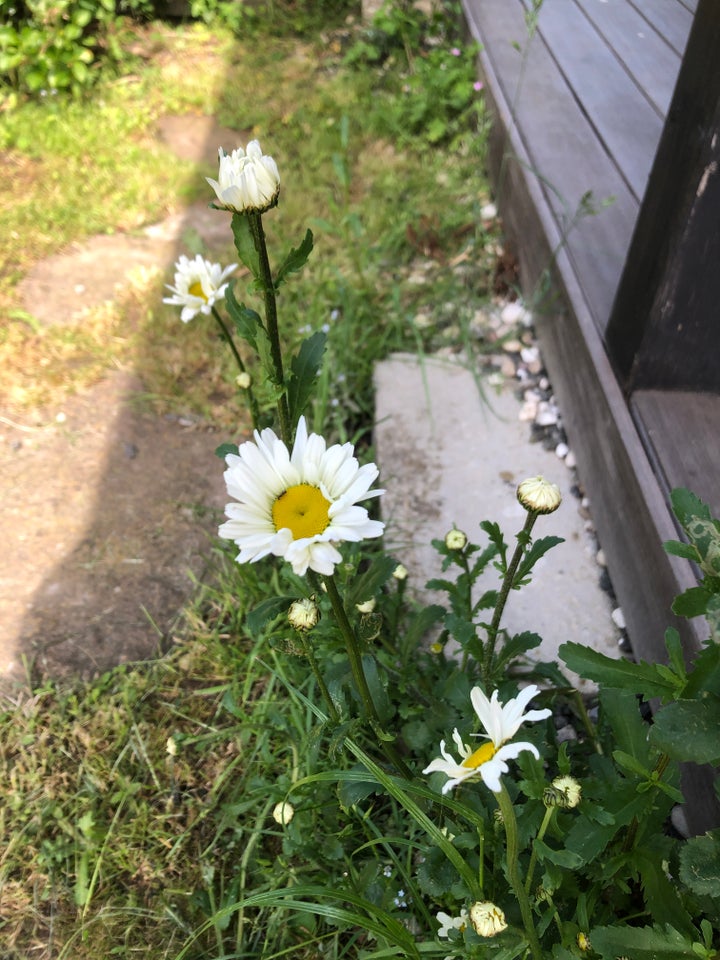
{"points": [[538, 495], [283, 813], [455, 540], [570, 789], [487, 918], [368, 606], [243, 380], [583, 941], [400, 572], [303, 614], [171, 746]]}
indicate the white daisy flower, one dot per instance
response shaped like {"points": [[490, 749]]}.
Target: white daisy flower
{"points": [[198, 285], [248, 181], [501, 723], [297, 505], [448, 923]]}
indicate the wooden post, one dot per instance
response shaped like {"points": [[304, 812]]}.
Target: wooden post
{"points": [[664, 329]]}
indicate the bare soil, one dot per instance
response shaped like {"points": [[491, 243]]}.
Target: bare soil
{"points": [[110, 512]]}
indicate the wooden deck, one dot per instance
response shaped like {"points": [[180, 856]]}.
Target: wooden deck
{"points": [[579, 102]]}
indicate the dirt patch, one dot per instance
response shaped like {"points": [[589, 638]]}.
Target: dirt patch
{"points": [[110, 511]]}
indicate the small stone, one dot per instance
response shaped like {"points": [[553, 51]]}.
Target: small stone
{"points": [[544, 383], [566, 733], [488, 211], [512, 313], [529, 354], [528, 411], [618, 618], [507, 367], [546, 415], [570, 460], [562, 450], [600, 558], [512, 346]]}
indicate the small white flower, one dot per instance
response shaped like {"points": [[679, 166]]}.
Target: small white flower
{"points": [[570, 789], [297, 505], [538, 495], [248, 181], [455, 539], [487, 919], [283, 813], [243, 380], [448, 923], [400, 572], [501, 723], [199, 284]]}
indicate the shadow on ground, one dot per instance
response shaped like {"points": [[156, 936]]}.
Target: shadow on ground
{"points": [[110, 511]]}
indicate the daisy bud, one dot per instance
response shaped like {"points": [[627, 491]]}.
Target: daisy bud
{"points": [[487, 919], [455, 540], [538, 495], [368, 606], [243, 380], [248, 181], [283, 813], [583, 941], [400, 572], [570, 789], [171, 746], [303, 614]]}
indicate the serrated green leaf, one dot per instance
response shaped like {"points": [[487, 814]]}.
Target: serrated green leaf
{"points": [[225, 448], [304, 368], [245, 244], [421, 624], [561, 858], [661, 895], [678, 549], [267, 610], [622, 711], [688, 730], [496, 536], [641, 943], [705, 675], [517, 646], [641, 677], [700, 864], [246, 321], [296, 259], [673, 645], [691, 603], [537, 550], [687, 505]]}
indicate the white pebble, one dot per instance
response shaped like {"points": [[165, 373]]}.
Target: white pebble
{"points": [[546, 415], [512, 312], [529, 354], [488, 212], [570, 460], [618, 618], [600, 557], [562, 450]]}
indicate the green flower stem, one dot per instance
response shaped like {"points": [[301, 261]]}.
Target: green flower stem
{"points": [[271, 323], [523, 538], [533, 856], [361, 685], [512, 851], [310, 654], [254, 411]]}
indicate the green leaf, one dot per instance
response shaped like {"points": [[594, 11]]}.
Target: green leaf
{"points": [[639, 677], [561, 858], [678, 549], [296, 259], [688, 730], [247, 322], [686, 506], [366, 586], [705, 675], [495, 534], [225, 448], [517, 646], [692, 603], [305, 367], [267, 610], [245, 243], [700, 864], [421, 624], [661, 896], [641, 943], [537, 550], [631, 732]]}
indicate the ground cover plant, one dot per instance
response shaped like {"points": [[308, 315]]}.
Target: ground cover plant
{"points": [[300, 775]]}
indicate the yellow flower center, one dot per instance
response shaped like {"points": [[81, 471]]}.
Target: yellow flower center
{"points": [[196, 290], [484, 753], [303, 510]]}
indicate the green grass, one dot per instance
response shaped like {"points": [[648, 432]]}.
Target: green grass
{"points": [[114, 846]]}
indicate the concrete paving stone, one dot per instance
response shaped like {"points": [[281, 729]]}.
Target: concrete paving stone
{"points": [[449, 458]]}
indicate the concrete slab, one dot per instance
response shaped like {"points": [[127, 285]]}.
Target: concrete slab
{"points": [[449, 458]]}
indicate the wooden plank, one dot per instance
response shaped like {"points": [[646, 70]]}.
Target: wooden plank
{"points": [[673, 18], [561, 148], [681, 430], [663, 332], [627, 124], [641, 47]]}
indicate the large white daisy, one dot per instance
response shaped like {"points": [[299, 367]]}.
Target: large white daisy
{"points": [[297, 505], [501, 722], [198, 285]]}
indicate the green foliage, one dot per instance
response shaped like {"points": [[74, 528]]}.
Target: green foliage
{"points": [[703, 548]]}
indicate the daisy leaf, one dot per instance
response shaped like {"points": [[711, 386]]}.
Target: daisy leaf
{"points": [[296, 259], [304, 369]]}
